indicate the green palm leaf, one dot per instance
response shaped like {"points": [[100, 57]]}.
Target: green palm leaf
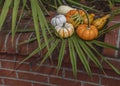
{"points": [[4, 12], [72, 57], [61, 54], [90, 54], [28, 41], [43, 24], [106, 30], [104, 59], [21, 14], [82, 56], [14, 17], [35, 19], [52, 48], [81, 5], [105, 45]]}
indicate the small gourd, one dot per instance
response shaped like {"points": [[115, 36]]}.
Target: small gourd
{"points": [[75, 17], [90, 17], [58, 20], [100, 22], [65, 31], [63, 9], [87, 33]]}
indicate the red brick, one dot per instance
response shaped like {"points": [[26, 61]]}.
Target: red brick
{"points": [[46, 70], [32, 46], [2, 41], [31, 76], [86, 84], [82, 76], [108, 71], [22, 57], [11, 82], [36, 84], [117, 18], [23, 48], [7, 73], [111, 38], [3, 56], [11, 46], [96, 70], [113, 62], [112, 73], [64, 82], [15, 65], [110, 82], [0, 81]]}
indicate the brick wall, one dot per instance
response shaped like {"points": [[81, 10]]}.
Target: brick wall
{"points": [[28, 74]]}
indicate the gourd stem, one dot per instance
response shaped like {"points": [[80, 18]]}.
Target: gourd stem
{"points": [[87, 15]]}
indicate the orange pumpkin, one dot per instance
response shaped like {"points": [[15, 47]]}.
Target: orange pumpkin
{"points": [[75, 17], [87, 33]]}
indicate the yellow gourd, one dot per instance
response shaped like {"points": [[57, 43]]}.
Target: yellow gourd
{"points": [[90, 17], [100, 22]]}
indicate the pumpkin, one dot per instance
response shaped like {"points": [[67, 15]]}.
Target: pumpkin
{"points": [[63, 9], [87, 33], [58, 20], [75, 17], [65, 31], [100, 22]]}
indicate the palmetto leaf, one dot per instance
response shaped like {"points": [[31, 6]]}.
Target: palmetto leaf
{"points": [[106, 30], [105, 45], [90, 54], [43, 25], [28, 41], [14, 16], [81, 5], [103, 58], [52, 48], [35, 18], [4, 12], [61, 53], [81, 55], [21, 14], [72, 56]]}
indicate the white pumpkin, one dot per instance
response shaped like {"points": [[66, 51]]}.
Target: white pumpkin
{"points": [[63, 9], [58, 20], [65, 31]]}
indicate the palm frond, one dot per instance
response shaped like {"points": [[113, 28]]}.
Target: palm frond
{"points": [[81, 5], [4, 12], [52, 48], [14, 17], [72, 57], [35, 18], [90, 54], [105, 45], [106, 30], [81, 55], [61, 54], [103, 58]]}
